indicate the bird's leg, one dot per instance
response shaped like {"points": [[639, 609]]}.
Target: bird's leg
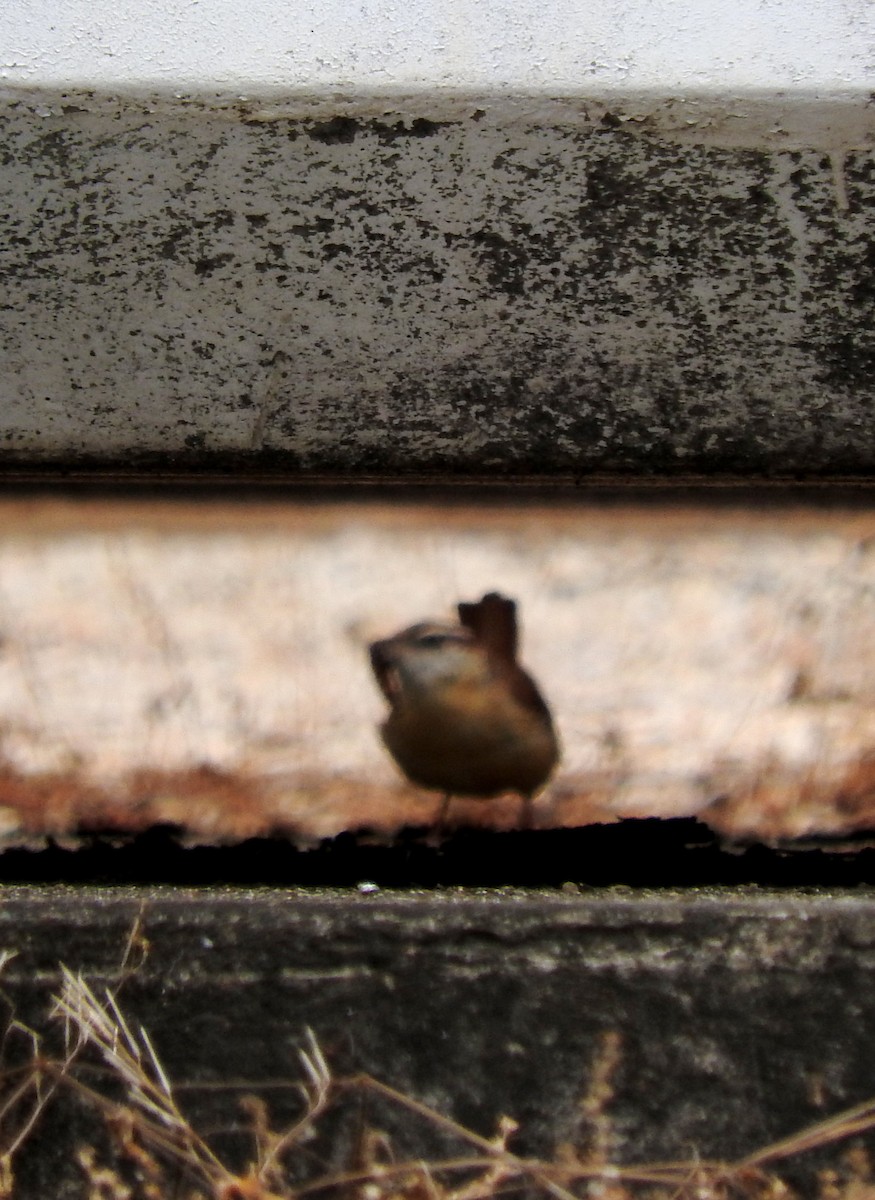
{"points": [[439, 828], [441, 818], [526, 818]]}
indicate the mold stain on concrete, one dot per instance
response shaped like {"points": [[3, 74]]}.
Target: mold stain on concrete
{"points": [[622, 289]]}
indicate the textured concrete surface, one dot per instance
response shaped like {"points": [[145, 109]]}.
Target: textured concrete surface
{"points": [[205, 664], [640, 284], [737, 1020]]}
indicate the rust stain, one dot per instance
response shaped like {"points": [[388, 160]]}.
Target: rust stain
{"points": [[209, 806], [779, 804], [200, 800], [652, 516], [221, 807]]}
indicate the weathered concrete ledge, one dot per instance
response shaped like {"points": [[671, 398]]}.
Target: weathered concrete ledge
{"points": [[439, 282], [734, 1019]]}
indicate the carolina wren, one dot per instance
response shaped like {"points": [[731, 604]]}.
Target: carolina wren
{"points": [[465, 718]]}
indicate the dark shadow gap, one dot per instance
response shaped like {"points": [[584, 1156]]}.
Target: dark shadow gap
{"points": [[224, 481], [633, 854]]}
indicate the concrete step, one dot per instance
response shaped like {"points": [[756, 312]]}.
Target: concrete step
{"points": [[685, 1026], [436, 240], [622, 283]]}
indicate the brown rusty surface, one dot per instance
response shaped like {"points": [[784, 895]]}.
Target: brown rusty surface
{"points": [[655, 511], [776, 805], [206, 805], [212, 805]]}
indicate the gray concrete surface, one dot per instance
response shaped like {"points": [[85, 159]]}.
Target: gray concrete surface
{"points": [[737, 1019], [435, 283]]}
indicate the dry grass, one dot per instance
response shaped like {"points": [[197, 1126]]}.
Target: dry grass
{"points": [[153, 1151], [160, 1155]]}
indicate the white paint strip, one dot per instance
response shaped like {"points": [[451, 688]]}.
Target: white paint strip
{"points": [[573, 46]]}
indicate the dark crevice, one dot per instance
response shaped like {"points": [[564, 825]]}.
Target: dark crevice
{"points": [[634, 854]]}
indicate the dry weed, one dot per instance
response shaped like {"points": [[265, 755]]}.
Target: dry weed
{"points": [[25, 1088], [155, 1152], [160, 1155]]}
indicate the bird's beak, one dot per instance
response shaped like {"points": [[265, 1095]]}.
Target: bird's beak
{"points": [[383, 664], [381, 656]]}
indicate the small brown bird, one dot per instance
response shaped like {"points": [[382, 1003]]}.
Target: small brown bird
{"points": [[465, 718]]}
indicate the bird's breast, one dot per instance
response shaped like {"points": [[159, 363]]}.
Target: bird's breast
{"points": [[471, 739]]}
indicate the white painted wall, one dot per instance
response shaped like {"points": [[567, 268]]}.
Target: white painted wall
{"points": [[379, 45]]}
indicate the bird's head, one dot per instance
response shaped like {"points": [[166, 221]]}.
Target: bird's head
{"points": [[419, 661]]}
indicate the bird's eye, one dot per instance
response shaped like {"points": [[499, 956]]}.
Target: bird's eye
{"points": [[433, 641]]}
